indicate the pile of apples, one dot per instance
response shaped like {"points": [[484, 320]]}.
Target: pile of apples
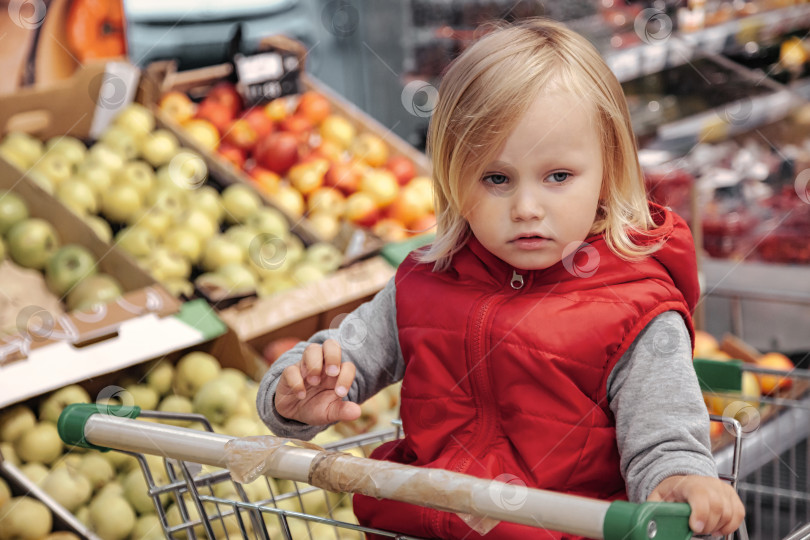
{"points": [[24, 517], [310, 161], [70, 271], [153, 194], [753, 385]]}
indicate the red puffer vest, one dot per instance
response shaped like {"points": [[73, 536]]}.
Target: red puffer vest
{"points": [[510, 383]]}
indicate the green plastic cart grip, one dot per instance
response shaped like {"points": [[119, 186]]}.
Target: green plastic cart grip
{"points": [[397, 252], [719, 375], [74, 417], [647, 521]]}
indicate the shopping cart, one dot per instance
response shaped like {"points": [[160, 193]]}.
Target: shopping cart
{"points": [[772, 479], [208, 503]]}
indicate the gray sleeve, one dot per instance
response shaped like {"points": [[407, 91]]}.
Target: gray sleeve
{"points": [[662, 425], [368, 337]]}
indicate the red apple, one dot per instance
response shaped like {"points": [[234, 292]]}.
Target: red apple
{"points": [[314, 107], [277, 152], [241, 134], [277, 347], [225, 94], [258, 119], [298, 126], [343, 176], [424, 224], [402, 168], [233, 154], [361, 209], [177, 106], [216, 113]]}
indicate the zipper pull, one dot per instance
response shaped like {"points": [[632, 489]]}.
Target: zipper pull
{"points": [[517, 280]]}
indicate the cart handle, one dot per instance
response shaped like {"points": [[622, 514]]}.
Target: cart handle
{"points": [[620, 520]]}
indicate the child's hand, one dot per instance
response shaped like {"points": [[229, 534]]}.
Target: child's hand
{"points": [[716, 508], [312, 390]]}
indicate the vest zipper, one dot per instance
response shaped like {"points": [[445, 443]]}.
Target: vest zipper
{"points": [[517, 280]]}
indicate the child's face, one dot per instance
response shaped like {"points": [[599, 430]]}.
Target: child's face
{"points": [[541, 193]]}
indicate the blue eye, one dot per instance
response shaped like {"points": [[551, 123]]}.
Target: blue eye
{"points": [[496, 179], [559, 177]]}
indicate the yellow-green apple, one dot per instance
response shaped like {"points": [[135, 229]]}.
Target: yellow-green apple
{"points": [[77, 196], [177, 106], [306, 272], [12, 210], [295, 248], [216, 400], [9, 454], [112, 518], [165, 264], [269, 220], [136, 492], [239, 202], [143, 396], [95, 175], [338, 130], [93, 291], [370, 149], [154, 219], [16, 421], [169, 199], [235, 378], [203, 132], [52, 406], [277, 152], [289, 200], [41, 444], [23, 518], [2, 249], [381, 185], [187, 170], [198, 221], [325, 225], [159, 147], [136, 119], [308, 176], [32, 242], [41, 181], [137, 241], [5, 492], [193, 371], [55, 167], [21, 149], [219, 251], [100, 227], [243, 236], [139, 175], [96, 469], [107, 157], [185, 242], [177, 405], [68, 487], [327, 200], [121, 141], [208, 200], [179, 287], [325, 256], [362, 209], [71, 148], [158, 375], [36, 472], [239, 426], [238, 278], [121, 202], [148, 527], [68, 266]]}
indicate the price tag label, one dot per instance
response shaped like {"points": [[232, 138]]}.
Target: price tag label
{"points": [[266, 76]]}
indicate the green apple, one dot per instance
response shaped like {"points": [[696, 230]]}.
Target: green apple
{"points": [[96, 469], [176, 404], [5, 492], [148, 527], [78, 196], [165, 264], [96, 176], [220, 251], [31, 242], [295, 249], [114, 488], [246, 408], [159, 147], [51, 407], [208, 199], [68, 487], [306, 272], [16, 421], [12, 210], [199, 222], [121, 141], [23, 147], [235, 378], [179, 287], [42, 181], [100, 227], [156, 220], [36, 472], [187, 170], [71, 148], [107, 157], [159, 376], [276, 284], [93, 291], [144, 396], [184, 242], [112, 518], [193, 371], [139, 175], [136, 119], [325, 256], [238, 278], [136, 492], [239, 202], [243, 236], [69, 265], [55, 167], [216, 400], [40, 444], [9, 454], [168, 199], [24, 518], [137, 241], [121, 202], [239, 426], [269, 220]]}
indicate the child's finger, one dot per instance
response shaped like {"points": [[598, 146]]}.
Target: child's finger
{"points": [[345, 379], [312, 360], [331, 357], [701, 521], [291, 376]]}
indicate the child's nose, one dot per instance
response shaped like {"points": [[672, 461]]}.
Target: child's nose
{"points": [[526, 206]]}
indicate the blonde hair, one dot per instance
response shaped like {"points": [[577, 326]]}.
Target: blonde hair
{"points": [[481, 99]]}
